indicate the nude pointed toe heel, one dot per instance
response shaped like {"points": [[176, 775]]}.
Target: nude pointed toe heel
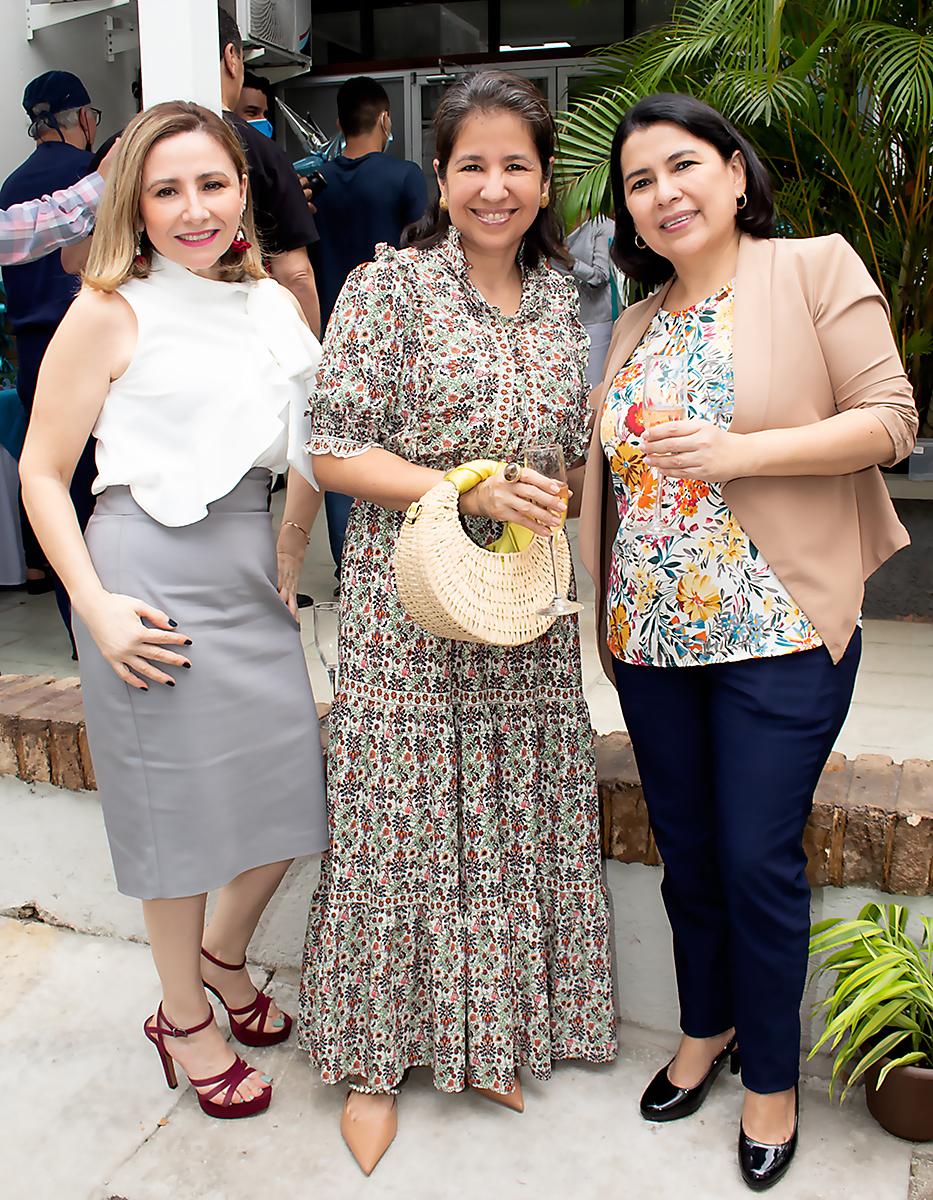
{"points": [[369, 1135], [514, 1099]]}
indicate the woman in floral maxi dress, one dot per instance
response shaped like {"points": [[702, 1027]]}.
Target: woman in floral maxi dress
{"points": [[461, 921]]}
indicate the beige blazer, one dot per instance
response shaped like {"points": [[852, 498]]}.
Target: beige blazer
{"points": [[811, 339]]}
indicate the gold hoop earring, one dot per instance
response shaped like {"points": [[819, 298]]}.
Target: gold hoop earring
{"points": [[640, 243], [741, 201], [442, 204], [545, 200]]}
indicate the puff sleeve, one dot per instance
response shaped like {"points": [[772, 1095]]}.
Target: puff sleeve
{"points": [[353, 403]]}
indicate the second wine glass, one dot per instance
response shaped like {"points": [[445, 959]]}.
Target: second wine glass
{"points": [[664, 399], [327, 638], [549, 461]]}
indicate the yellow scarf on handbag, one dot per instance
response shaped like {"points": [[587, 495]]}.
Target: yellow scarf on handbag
{"points": [[513, 538], [454, 588]]}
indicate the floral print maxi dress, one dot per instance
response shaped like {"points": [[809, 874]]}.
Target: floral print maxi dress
{"points": [[461, 920]]}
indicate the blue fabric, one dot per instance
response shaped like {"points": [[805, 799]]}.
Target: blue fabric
{"points": [[367, 200], [38, 293], [12, 422], [729, 757], [337, 508]]}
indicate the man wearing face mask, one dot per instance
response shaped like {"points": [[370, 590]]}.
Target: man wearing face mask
{"points": [[255, 105], [370, 197], [63, 125]]}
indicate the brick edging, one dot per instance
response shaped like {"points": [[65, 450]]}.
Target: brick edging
{"points": [[871, 826]]}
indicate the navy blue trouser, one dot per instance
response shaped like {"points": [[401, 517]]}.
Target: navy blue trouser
{"points": [[31, 346], [337, 507], [729, 757]]}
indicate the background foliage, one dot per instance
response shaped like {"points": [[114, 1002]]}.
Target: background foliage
{"points": [[836, 95]]}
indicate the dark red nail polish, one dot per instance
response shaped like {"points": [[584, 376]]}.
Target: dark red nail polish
{"points": [[187, 666], [188, 642]]}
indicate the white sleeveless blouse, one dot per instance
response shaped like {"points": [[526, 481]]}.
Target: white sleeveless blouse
{"points": [[218, 383]]}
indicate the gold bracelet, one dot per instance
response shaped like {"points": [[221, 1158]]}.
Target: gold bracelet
{"points": [[300, 528]]}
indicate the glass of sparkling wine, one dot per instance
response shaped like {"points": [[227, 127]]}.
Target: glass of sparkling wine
{"points": [[664, 399], [326, 638], [549, 461]]}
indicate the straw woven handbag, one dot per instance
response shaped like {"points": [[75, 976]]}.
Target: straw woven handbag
{"points": [[455, 589]]}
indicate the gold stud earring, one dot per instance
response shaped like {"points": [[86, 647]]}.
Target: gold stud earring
{"points": [[544, 201], [640, 242], [442, 204]]}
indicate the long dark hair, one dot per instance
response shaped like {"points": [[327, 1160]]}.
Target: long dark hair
{"points": [[490, 91], [755, 218]]}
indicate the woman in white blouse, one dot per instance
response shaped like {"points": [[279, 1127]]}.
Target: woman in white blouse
{"points": [[191, 368]]}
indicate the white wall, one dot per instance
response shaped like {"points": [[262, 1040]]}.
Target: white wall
{"points": [[79, 46]]}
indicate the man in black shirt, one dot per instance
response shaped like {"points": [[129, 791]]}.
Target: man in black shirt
{"points": [[284, 223]]}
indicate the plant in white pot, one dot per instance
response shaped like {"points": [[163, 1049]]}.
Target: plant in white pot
{"points": [[878, 1014]]}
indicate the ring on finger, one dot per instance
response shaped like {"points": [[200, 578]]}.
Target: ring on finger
{"points": [[512, 472]]}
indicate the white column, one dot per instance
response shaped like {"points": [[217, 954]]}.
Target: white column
{"points": [[178, 51]]}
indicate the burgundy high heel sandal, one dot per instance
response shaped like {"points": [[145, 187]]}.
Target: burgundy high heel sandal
{"points": [[157, 1028], [241, 1018]]}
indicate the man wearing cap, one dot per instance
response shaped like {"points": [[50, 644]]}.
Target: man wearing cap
{"points": [[63, 125]]}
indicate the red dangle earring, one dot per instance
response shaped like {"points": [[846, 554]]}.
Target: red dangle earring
{"points": [[241, 242]]}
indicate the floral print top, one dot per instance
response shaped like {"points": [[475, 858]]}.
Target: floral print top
{"points": [[703, 594]]}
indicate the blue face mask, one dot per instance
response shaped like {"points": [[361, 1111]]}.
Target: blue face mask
{"points": [[264, 126]]}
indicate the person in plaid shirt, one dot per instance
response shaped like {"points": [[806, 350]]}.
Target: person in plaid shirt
{"points": [[37, 227]]}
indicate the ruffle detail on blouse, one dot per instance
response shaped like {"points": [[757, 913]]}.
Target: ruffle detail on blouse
{"points": [[297, 352], [218, 384]]}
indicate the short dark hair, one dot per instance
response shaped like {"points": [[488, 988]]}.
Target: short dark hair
{"points": [[755, 218], [361, 101], [258, 84], [229, 32], [495, 91]]}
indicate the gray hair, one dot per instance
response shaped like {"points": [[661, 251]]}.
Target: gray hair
{"points": [[66, 119]]}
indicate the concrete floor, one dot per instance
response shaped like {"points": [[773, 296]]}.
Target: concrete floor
{"points": [[892, 711], [77, 982], [86, 1115]]}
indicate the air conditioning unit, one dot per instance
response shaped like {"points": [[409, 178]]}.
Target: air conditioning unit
{"points": [[277, 24]]}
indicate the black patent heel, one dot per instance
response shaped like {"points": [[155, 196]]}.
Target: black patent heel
{"points": [[762, 1165], [664, 1101]]}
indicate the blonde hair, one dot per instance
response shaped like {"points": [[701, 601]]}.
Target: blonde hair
{"points": [[116, 256]]}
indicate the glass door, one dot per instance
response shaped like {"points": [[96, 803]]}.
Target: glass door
{"points": [[430, 86]]}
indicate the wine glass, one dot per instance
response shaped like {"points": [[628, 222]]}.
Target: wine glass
{"points": [[326, 619], [664, 399], [549, 461]]}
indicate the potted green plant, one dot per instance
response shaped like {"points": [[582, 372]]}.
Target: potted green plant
{"points": [[878, 1014]]}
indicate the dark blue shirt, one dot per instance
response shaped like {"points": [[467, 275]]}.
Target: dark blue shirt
{"points": [[38, 293], [367, 200]]}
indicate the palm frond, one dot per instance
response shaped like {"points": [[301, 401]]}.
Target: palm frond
{"points": [[899, 64]]}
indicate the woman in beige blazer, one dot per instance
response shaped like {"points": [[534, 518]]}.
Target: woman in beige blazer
{"points": [[733, 635]]}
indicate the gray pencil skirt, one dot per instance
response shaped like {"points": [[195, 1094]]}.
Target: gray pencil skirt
{"points": [[222, 772]]}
